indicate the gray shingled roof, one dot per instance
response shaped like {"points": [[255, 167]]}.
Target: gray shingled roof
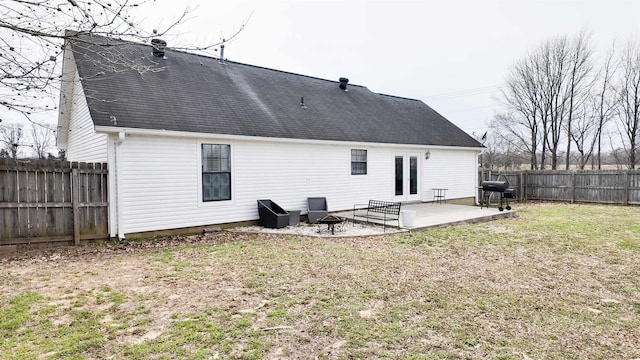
{"points": [[195, 93]]}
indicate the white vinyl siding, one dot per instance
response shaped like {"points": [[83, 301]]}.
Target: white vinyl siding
{"points": [[454, 170], [158, 179], [289, 173], [162, 182], [83, 143]]}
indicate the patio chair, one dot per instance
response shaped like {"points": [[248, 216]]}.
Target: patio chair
{"points": [[317, 209], [272, 215]]}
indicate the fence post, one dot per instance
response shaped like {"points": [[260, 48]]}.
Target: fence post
{"points": [[626, 188], [573, 187], [75, 198], [522, 188]]}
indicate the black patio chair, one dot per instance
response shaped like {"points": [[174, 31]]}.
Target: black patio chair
{"points": [[317, 209], [272, 215]]}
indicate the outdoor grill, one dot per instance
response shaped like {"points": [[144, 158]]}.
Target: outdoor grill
{"points": [[500, 187]]}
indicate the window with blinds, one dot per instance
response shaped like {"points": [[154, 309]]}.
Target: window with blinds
{"points": [[358, 162], [216, 172]]}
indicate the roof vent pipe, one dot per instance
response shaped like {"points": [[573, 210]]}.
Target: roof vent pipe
{"points": [[158, 47], [221, 60], [343, 83]]}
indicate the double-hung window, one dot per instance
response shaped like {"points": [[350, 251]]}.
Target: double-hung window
{"points": [[216, 172], [358, 162]]}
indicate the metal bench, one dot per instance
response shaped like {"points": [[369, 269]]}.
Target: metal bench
{"points": [[378, 210]]}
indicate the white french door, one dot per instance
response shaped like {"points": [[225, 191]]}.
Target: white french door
{"points": [[406, 181]]}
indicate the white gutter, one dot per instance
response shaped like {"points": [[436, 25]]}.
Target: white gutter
{"points": [[118, 187], [475, 181], [184, 134]]}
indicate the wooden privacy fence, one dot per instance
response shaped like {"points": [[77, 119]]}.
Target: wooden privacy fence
{"points": [[591, 186], [52, 201]]}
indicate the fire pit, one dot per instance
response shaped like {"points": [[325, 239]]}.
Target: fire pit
{"points": [[331, 221]]}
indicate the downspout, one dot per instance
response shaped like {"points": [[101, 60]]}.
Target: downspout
{"points": [[477, 180], [118, 187]]}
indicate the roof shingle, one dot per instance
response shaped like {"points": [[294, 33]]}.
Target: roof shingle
{"points": [[194, 93]]}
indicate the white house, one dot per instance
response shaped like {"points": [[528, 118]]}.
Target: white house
{"points": [[192, 140]]}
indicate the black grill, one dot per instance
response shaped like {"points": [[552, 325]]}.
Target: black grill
{"points": [[501, 187], [510, 193], [495, 186]]}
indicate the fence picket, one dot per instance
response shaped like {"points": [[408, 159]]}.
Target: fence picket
{"points": [[592, 186], [45, 201]]}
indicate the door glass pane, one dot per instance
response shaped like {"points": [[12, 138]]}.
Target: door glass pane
{"points": [[413, 175], [399, 175]]}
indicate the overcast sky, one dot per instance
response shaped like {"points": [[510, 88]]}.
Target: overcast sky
{"points": [[453, 55]]}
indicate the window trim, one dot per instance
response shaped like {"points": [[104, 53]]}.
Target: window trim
{"points": [[365, 162]]}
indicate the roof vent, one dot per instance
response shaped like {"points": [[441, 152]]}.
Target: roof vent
{"points": [[158, 47], [221, 60], [343, 83]]}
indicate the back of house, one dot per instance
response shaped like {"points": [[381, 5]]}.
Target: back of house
{"points": [[193, 140]]}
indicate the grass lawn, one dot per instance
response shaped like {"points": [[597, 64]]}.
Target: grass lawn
{"points": [[558, 282]]}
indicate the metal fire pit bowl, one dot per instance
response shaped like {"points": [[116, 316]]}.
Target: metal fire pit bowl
{"points": [[331, 221]]}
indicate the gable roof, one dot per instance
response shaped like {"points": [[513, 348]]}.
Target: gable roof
{"points": [[199, 94]]}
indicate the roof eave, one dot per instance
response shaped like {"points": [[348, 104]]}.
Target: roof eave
{"points": [[184, 134]]}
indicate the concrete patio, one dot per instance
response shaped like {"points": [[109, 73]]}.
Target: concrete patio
{"points": [[433, 215]]}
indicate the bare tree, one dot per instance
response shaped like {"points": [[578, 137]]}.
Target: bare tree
{"points": [[521, 95], [32, 34], [584, 134], [534, 96], [11, 139], [520, 137], [628, 90], [553, 57], [602, 100], [544, 93], [43, 139], [587, 129], [579, 85]]}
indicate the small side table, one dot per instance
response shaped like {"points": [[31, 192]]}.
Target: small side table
{"points": [[439, 195]]}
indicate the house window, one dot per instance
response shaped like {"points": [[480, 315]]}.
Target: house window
{"points": [[358, 162], [216, 172]]}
